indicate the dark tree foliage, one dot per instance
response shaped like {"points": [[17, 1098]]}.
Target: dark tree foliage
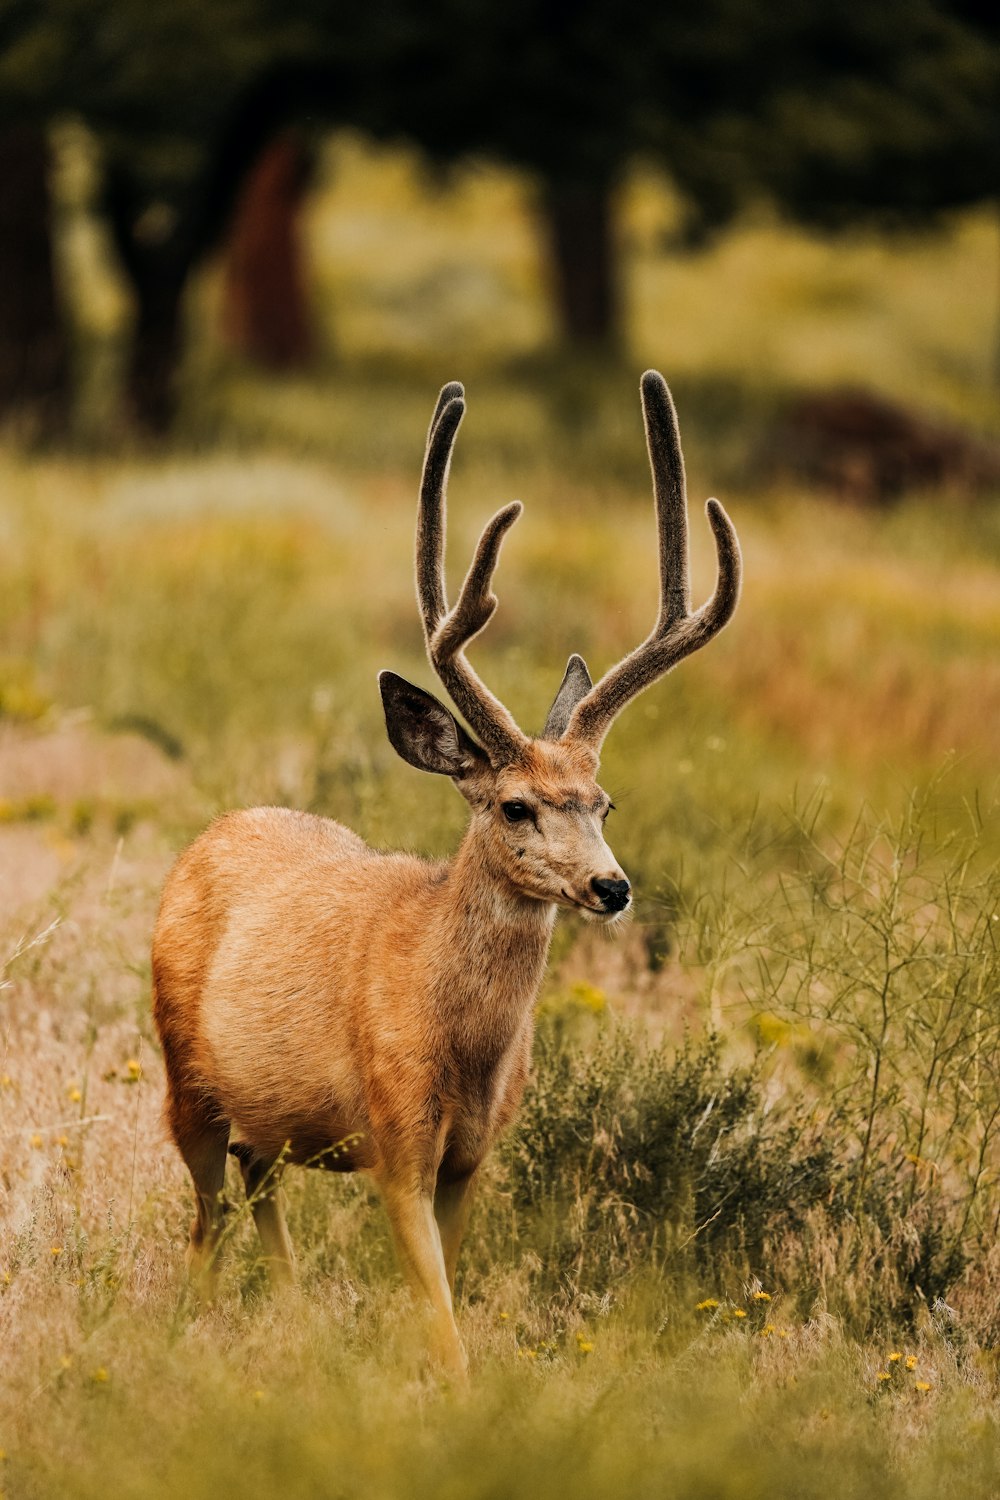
{"points": [[836, 111]]}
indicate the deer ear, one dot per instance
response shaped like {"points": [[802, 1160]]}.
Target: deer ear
{"points": [[574, 685], [423, 731]]}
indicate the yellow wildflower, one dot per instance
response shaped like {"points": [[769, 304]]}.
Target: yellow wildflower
{"points": [[504, 1317], [884, 1375], [56, 1251], [65, 1362], [767, 1330], [709, 1305], [921, 1385], [6, 1081], [738, 1312], [762, 1296], [36, 1141], [911, 1361], [100, 1376], [584, 1345], [73, 1094], [895, 1357], [134, 1068]]}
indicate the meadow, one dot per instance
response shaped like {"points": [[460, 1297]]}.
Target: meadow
{"points": [[744, 1238]]}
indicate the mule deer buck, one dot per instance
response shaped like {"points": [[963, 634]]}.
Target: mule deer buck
{"points": [[323, 1003]]}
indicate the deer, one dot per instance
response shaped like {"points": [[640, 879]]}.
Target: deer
{"points": [[323, 1003]]}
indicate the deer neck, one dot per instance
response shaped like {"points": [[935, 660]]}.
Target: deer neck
{"points": [[494, 945]]}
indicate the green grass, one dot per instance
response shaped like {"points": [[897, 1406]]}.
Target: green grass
{"points": [[784, 1077]]}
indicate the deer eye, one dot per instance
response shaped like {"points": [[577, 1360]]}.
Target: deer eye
{"points": [[515, 812]]}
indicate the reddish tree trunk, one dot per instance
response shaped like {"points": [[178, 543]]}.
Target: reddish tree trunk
{"points": [[581, 238], [266, 308], [34, 361]]}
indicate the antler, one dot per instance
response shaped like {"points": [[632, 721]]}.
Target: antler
{"points": [[448, 632], [677, 631]]}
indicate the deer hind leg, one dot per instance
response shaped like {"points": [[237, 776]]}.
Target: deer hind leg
{"points": [[262, 1180], [202, 1139], [452, 1201], [418, 1243]]}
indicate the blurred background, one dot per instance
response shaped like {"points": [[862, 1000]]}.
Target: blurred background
{"points": [[242, 245]]}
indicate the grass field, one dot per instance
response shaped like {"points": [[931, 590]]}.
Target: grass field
{"points": [[743, 1240]]}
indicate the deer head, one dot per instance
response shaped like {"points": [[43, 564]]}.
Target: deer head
{"points": [[537, 810]]}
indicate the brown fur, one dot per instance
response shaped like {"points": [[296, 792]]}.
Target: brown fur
{"points": [[314, 996]]}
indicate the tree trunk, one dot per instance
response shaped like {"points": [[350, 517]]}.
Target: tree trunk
{"points": [[155, 351], [266, 314], [34, 361], [580, 219]]}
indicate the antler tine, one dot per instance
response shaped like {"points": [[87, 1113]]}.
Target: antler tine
{"points": [[447, 633], [447, 419], [677, 632], [666, 461]]}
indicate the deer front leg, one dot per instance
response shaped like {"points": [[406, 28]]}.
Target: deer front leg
{"points": [[410, 1207], [452, 1201]]}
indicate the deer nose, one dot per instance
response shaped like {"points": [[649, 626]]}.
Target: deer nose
{"points": [[613, 894]]}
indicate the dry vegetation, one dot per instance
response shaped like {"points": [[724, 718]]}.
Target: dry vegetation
{"points": [[695, 1261]]}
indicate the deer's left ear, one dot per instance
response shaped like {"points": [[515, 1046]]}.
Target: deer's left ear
{"points": [[423, 732], [575, 684]]}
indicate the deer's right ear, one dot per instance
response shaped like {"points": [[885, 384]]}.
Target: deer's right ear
{"points": [[423, 732]]}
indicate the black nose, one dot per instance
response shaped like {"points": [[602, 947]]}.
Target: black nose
{"points": [[613, 893]]}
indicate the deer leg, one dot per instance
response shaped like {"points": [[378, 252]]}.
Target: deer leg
{"points": [[418, 1243], [202, 1141], [452, 1201], [262, 1181]]}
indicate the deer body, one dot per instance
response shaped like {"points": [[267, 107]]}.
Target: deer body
{"points": [[386, 1031], [325, 1004]]}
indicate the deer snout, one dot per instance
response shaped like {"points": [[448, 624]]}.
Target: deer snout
{"points": [[614, 895]]}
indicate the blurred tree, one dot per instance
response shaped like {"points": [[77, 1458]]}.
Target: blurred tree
{"points": [[34, 356], [838, 112], [266, 313]]}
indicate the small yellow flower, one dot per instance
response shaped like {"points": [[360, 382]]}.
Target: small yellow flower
{"points": [[6, 1082], [134, 1068], [911, 1361], [56, 1251], [709, 1305], [5, 1278], [921, 1385], [36, 1141], [884, 1375], [73, 1094], [767, 1330], [738, 1312], [100, 1376], [895, 1357], [584, 1346], [62, 1140], [762, 1296], [258, 1396], [65, 1362], [504, 1317], [782, 1333]]}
